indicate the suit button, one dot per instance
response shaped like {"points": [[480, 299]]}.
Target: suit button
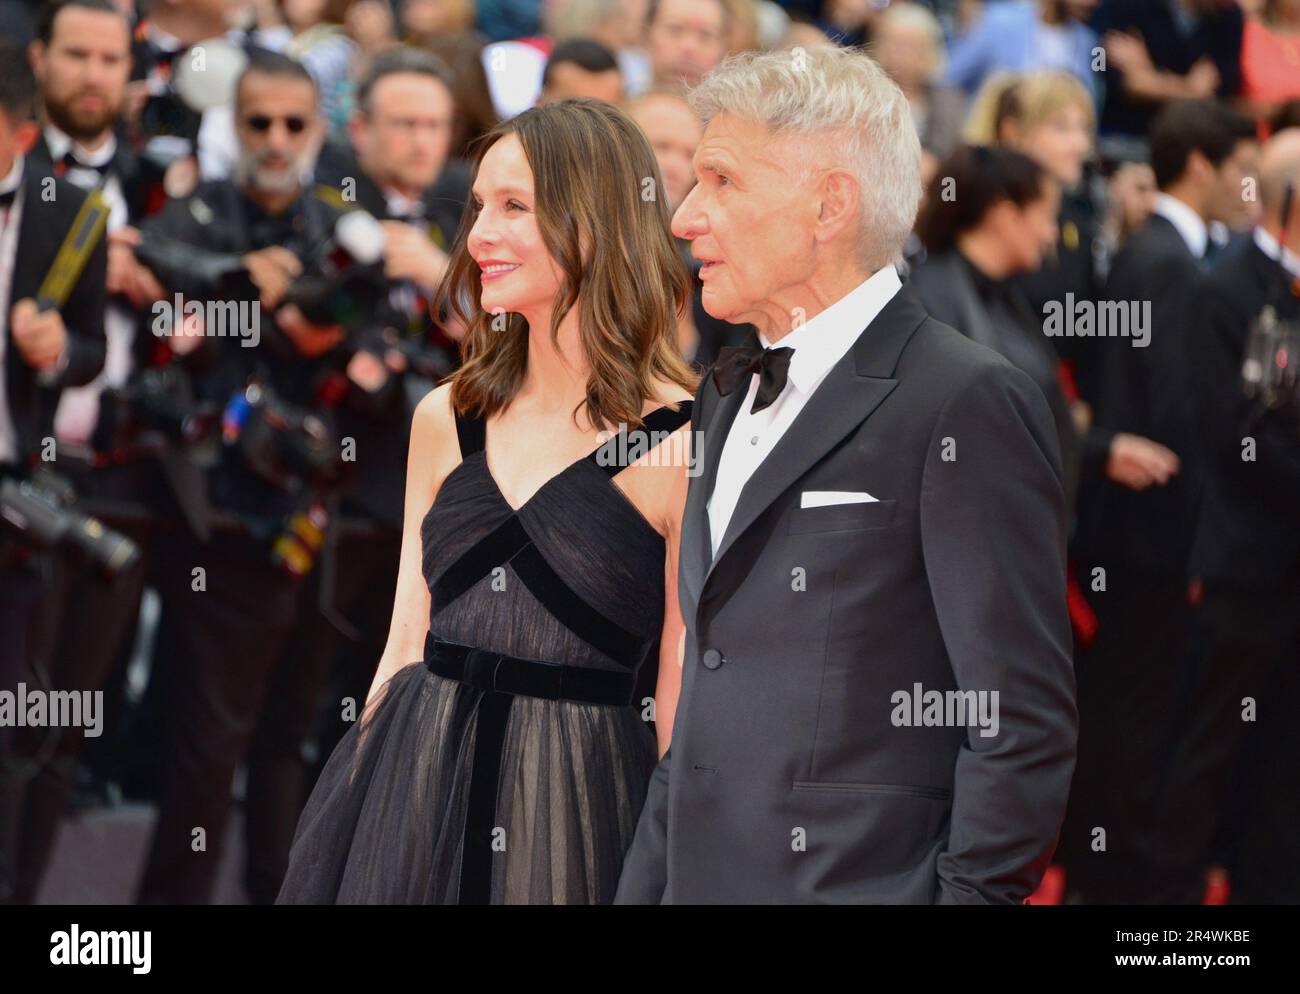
{"points": [[712, 658]]}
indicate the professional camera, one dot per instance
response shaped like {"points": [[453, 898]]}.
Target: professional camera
{"points": [[344, 284], [1270, 372], [40, 513], [343, 281], [155, 410], [287, 446]]}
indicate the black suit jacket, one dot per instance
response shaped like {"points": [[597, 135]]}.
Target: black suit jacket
{"points": [[1007, 325], [1147, 391], [49, 207], [1247, 533], [788, 780]]}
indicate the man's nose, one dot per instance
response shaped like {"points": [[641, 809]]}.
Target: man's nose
{"points": [[280, 138], [688, 222]]}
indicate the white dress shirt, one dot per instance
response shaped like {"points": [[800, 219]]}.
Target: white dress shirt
{"points": [[1188, 223], [10, 221], [78, 409], [818, 345], [60, 144]]}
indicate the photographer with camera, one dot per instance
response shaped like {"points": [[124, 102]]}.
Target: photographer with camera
{"points": [[1240, 741], [234, 255], [51, 337], [81, 59], [397, 170]]}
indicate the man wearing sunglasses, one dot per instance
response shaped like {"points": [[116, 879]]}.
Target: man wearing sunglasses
{"points": [[241, 240], [396, 168]]}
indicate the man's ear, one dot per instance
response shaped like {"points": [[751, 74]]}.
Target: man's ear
{"points": [[1199, 168], [840, 196], [36, 56], [26, 135]]}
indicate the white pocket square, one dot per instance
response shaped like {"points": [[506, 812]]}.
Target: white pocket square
{"points": [[822, 498]]}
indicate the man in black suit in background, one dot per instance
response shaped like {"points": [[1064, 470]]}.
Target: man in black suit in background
{"points": [[1136, 525], [1240, 746], [41, 352], [873, 552]]}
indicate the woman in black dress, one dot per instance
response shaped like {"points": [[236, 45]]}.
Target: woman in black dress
{"points": [[501, 757]]}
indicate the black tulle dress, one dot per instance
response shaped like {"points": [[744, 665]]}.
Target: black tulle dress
{"points": [[510, 765]]}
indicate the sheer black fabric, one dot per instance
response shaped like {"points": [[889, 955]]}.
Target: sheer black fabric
{"points": [[386, 822]]}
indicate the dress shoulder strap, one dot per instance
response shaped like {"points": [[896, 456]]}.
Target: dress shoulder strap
{"points": [[627, 447], [471, 432]]}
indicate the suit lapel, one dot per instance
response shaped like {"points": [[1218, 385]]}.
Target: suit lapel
{"points": [[852, 390], [842, 402], [36, 233], [697, 541]]}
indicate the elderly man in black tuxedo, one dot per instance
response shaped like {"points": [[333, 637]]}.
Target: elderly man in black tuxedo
{"points": [[877, 700]]}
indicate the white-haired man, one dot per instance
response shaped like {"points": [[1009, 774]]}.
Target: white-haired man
{"points": [[878, 699]]}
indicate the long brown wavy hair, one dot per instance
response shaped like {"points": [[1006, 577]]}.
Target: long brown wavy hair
{"points": [[597, 184]]}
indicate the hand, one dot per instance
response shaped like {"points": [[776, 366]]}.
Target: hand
{"points": [[272, 269], [367, 371], [1081, 415], [1137, 462], [1203, 79], [1127, 52], [38, 335], [126, 274], [409, 255], [311, 340]]}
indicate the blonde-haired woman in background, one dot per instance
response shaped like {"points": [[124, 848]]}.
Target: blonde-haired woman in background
{"points": [[1050, 117]]}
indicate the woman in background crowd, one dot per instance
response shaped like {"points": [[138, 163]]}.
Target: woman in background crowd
{"points": [[1050, 118], [1270, 58], [1000, 226], [908, 44]]}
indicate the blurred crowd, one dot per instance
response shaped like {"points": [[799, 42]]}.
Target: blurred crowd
{"points": [[1109, 189]]}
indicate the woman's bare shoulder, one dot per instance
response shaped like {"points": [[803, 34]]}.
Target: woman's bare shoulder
{"points": [[434, 410], [433, 428]]}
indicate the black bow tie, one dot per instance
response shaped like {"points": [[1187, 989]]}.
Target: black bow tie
{"points": [[7, 198], [737, 363]]}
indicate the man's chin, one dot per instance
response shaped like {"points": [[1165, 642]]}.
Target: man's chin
{"points": [[83, 127], [277, 181], [719, 307]]}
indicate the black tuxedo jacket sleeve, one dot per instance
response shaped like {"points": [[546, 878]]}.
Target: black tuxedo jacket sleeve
{"points": [[791, 777], [49, 207]]}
